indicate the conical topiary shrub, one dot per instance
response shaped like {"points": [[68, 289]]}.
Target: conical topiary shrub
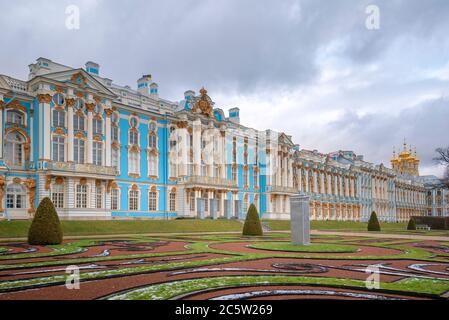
{"points": [[411, 224], [45, 228], [252, 226], [373, 223]]}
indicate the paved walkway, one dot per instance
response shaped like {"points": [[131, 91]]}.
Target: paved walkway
{"points": [[313, 232]]}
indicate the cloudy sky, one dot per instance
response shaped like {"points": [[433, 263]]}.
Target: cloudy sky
{"points": [[308, 68]]}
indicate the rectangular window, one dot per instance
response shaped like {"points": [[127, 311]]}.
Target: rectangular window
{"points": [[97, 126], [114, 199], [115, 159], [134, 163], [98, 198], [152, 166], [133, 137], [133, 200], [114, 134], [255, 179], [58, 118], [78, 122], [152, 201], [78, 152], [81, 196], [58, 148], [192, 201], [57, 195], [234, 173], [152, 141], [245, 177], [97, 151], [172, 204]]}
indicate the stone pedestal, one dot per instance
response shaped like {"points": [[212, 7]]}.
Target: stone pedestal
{"points": [[300, 219]]}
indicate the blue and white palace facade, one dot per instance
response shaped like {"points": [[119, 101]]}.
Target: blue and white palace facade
{"points": [[103, 151]]}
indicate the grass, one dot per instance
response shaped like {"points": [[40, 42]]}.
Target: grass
{"points": [[182, 287], [314, 247], [387, 227], [19, 228], [9, 229]]}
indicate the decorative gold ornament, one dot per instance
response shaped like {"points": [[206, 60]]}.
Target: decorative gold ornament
{"points": [[204, 104], [44, 98]]}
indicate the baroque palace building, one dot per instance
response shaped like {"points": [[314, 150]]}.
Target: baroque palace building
{"points": [[103, 151]]}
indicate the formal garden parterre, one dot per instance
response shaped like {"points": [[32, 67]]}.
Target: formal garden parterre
{"points": [[226, 266]]}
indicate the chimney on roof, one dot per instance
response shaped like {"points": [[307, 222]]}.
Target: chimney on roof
{"points": [[234, 115], [93, 68]]}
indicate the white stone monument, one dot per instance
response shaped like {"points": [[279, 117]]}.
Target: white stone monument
{"points": [[300, 219]]}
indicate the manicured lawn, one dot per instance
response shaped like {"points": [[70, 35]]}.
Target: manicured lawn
{"points": [[398, 228], [314, 247], [20, 228]]}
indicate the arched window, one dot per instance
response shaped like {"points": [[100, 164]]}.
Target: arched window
{"points": [[58, 118], [152, 201], [15, 196], [15, 117], [14, 149], [133, 200], [78, 122]]}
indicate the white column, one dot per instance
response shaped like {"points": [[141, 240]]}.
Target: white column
{"points": [[108, 139], [197, 146], [307, 180], [70, 136], [44, 126], [290, 173], [323, 188], [89, 133]]}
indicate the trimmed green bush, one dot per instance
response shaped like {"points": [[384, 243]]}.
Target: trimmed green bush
{"points": [[373, 223], [411, 224], [45, 228], [252, 226]]}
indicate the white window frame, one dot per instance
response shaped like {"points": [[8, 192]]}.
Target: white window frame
{"points": [[153, 201], [58, 118], [97, 153], [79, 122], [77, 150], [58, 148], [81, 196], [133, 168], [131, 198], [115, 198], [57, 195]]}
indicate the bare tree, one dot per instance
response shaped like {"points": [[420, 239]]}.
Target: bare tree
{"points": [[443, 159], [443, 156]]}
